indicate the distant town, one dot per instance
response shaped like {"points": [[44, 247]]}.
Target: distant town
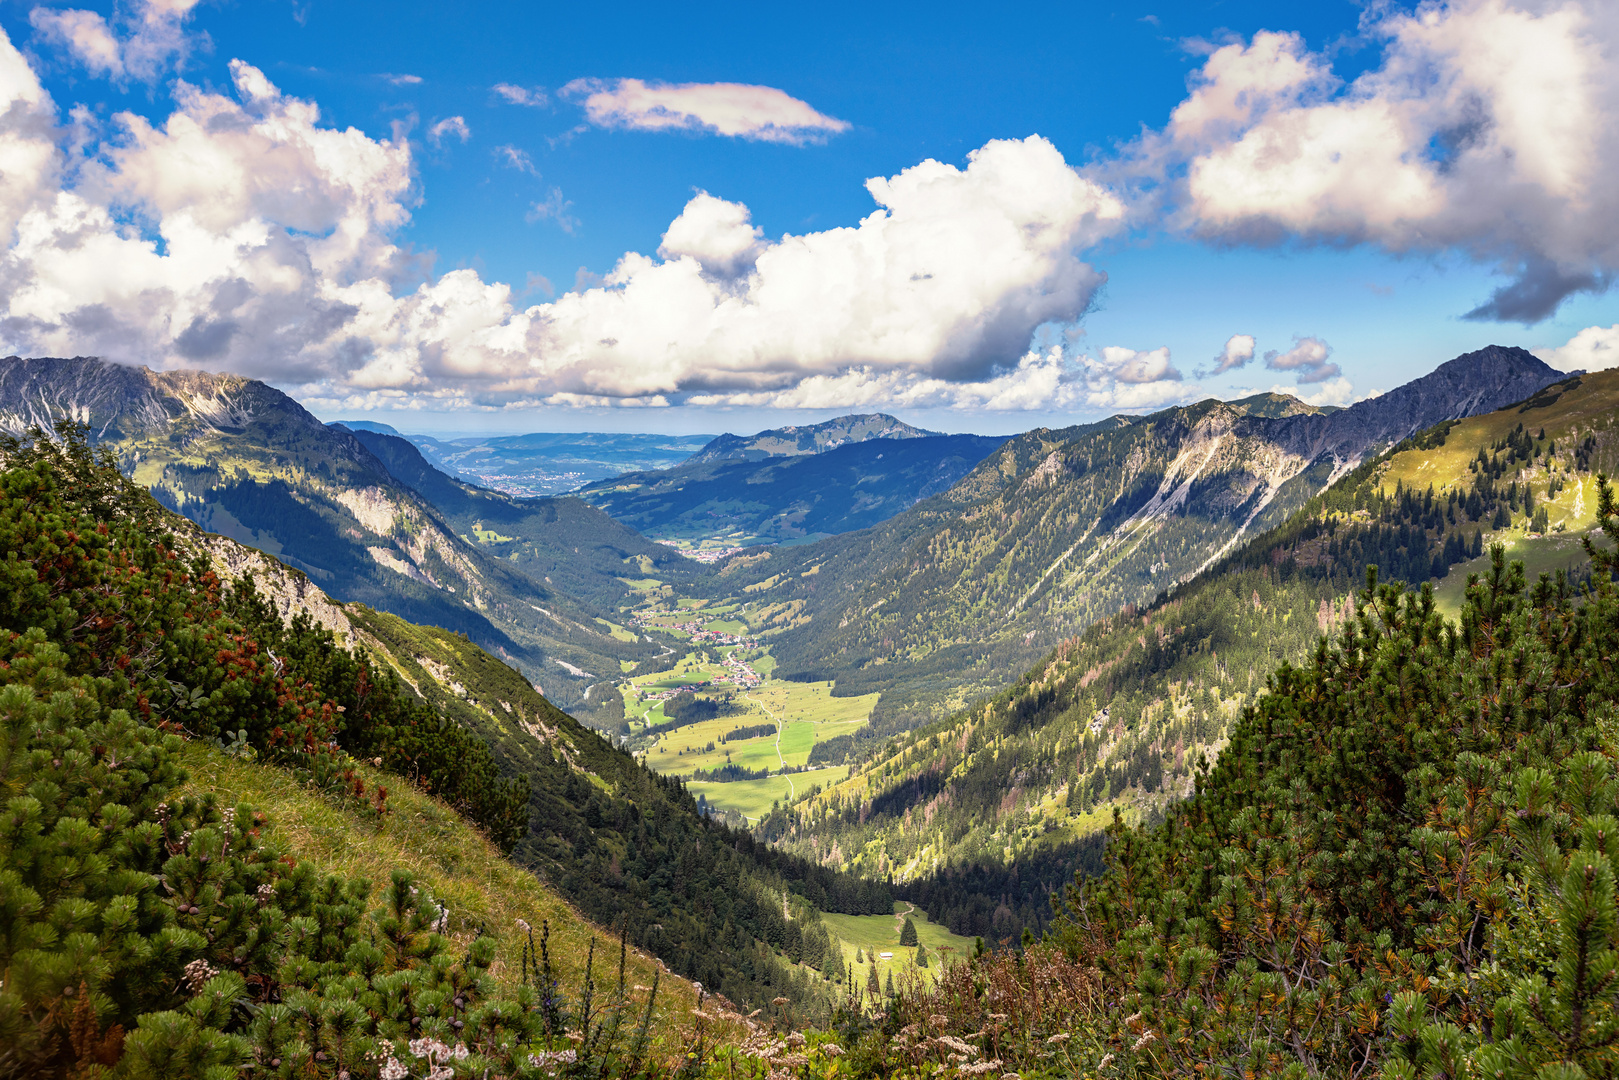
{"points": [[709, 555]]}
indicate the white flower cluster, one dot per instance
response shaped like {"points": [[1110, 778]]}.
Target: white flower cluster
{"points": [[438, 1056], [550, 1059]]}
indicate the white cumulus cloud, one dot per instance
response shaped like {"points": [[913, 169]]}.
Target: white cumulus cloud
{"points": [[1486, 129], [239, 233], [450, 125], [1238, 350], [1040, 381], [1131, 366], [735, 109], [1596, 348], [1309, 356], [720, 235], [532, 96], [145, 38]]}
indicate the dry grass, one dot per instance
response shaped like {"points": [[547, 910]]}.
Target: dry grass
{"points": [[446, 853]]}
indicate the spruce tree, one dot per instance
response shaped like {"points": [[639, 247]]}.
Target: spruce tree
{"points": [[907, 933]]}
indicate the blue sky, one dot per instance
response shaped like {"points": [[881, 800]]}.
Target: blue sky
{"points": [[454, 186]]}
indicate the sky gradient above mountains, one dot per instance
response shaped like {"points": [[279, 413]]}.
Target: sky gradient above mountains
{"points": [[739, 220]]}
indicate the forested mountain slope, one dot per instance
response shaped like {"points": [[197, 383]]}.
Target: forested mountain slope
{"points": [[1402, 866], [1122, 716], [246, 461], [784, 497], [800, 439], [1058, 529], [563, 541]]}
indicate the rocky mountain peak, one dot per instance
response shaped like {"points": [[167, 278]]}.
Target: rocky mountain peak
{"points": [[121, 401]]}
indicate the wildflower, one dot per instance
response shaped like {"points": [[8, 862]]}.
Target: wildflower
{"points": [[1146, 1037], [429, 1048], [392, 1069], [1107, 1059], [1060, 1037], [524, 927], [460, 1052], [552, 1057]]}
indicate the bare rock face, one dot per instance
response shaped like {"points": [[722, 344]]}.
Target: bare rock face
{"points": [[1231, 466], [118, 401], [1473, 383], [288, 590]]}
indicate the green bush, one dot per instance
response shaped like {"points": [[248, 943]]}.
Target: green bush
{"points": [[171, 938], [1405, 856]]}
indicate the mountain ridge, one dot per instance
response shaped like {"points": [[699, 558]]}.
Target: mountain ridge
{"points": [[245, 460], [782, 497], [796, 439], [955, 596], [1005, 794]]}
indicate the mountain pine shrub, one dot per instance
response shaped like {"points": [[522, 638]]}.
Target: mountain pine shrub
{"points": [[1404, 860]]}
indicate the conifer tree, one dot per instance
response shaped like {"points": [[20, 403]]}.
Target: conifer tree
{"points": [[907, 933]]}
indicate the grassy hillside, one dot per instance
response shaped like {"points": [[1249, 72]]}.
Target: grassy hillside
{"points": [[484, 891]]}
